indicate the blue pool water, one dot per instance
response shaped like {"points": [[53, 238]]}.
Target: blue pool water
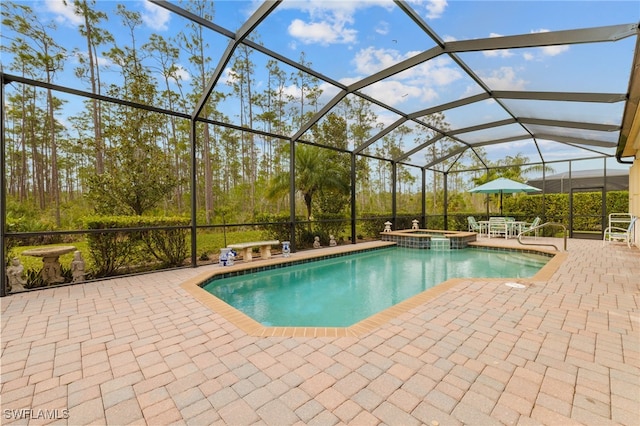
{"points": [[340, 291]]}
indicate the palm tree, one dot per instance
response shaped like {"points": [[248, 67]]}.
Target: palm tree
{"points": [[315, 171]]}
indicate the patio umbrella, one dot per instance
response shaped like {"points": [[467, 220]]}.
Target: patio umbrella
{"points": [[503, 185]]}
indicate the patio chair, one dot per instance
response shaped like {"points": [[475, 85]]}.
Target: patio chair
{"points": [[527, 226], [474, 226], [498, 227], [617, 233]]}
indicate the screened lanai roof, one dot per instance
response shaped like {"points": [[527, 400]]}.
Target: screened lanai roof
{"points": [[548, 80], [552, 87]]}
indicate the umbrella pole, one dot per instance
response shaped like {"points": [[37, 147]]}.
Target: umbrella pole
{"points": [[500, 203]]}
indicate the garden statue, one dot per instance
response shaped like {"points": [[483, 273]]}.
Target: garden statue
{"points": [[286, 248], [332, 241], [231, 256], [387, 226], [224, 256], [316, 242], [14, 273], [415, 224], [77, 267]]}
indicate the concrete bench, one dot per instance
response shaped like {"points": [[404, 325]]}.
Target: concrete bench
{"points": [[246, 248]]}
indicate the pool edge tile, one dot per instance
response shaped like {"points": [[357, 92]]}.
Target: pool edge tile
{"points": [[365, 326]]}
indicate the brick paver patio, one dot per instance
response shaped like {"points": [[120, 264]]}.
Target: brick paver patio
{"points": [[141, 350]]}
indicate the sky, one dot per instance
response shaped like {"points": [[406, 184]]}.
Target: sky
{"points": [[348, 40]]}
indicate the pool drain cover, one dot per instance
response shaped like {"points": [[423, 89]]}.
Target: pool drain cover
{"points": [[515, 285]]}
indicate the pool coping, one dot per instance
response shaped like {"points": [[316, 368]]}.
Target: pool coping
{"points": [[254, 328]]}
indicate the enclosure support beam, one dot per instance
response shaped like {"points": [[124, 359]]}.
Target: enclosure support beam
{"points": [[445, 205], [250, 24], [353, 199], [604, 221], [3, 194], [424, 198], [570, 194], [544, 193], [394, 212], [292, 193], [194, 215]]}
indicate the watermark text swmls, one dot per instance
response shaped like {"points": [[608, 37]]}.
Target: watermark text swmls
{"points": [[30, 413]]}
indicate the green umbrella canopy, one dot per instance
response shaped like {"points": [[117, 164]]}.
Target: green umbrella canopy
{"points": [[503, 185]]}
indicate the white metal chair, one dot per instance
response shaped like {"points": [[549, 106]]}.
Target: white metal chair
{"points": [[498, 227], [616, 230], [474, 226], [528, 226]]}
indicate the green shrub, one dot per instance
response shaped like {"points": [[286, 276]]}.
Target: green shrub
{"points": [[373, 224], [406, 220], [275, 226], [117, 247], [330, 224], [169, 246], [435, 222]]}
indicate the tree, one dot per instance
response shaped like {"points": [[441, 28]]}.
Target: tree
{"points": [[167, 56], [138, 174], [194, 43], [314, 172], [42, 56], [242, 82], [333, 132], [89, 64]]}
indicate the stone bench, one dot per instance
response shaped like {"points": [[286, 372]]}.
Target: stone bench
{"points": [[246, 248]]}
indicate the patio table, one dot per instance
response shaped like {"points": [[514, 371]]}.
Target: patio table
{"points": [[484, 227], [515, 227]]}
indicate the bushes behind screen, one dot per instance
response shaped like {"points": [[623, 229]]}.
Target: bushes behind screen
{"points": [[136, 242]]}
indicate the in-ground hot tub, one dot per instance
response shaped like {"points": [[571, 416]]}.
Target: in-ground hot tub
{"points": [[430, 238]]}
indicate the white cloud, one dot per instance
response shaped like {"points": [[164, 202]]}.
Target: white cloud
{"points": [[436, 72], [181, 73], [228, 76], [551, 50], [500, 53], [102, 61], [554, 50], [64, 12], [504, 79], [382, 28], [420, 83], [155, 17], [395, 92], [329, 22], [323, 32], [436, 8], [433, 8], [372, 60]]}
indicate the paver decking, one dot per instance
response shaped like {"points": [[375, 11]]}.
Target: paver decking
{"points": [[142, 350]]}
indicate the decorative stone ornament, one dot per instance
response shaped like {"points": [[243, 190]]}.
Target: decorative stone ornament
{"points": [[286, 248], [14, 274], [77, 267]]}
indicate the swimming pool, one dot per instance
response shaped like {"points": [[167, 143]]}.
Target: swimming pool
{"points": [[341, 291]]}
